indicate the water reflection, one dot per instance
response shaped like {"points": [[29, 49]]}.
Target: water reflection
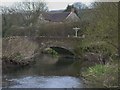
{"points": [[46, 65]]}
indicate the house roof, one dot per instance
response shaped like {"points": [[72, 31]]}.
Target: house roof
{"points": [[55, 16]]}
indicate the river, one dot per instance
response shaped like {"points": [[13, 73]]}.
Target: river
{"points": [[45, 73]]}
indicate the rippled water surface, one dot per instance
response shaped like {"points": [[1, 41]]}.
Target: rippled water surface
{"points": [[45, 73], [47, 82]]}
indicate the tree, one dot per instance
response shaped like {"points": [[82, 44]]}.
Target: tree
{"points": [[80, 5], [6, 22], [103, 26], [30, 11], [21, 14], [107, 21]]}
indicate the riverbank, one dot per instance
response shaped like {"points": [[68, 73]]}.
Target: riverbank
{"points": [[100, 64], [102, 76], [18, 51]]}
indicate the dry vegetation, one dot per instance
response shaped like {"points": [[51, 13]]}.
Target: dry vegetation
{"points": [[22, 47]]}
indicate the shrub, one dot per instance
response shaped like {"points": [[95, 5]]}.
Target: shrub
{"points": [[50, 51], [102, 75]]}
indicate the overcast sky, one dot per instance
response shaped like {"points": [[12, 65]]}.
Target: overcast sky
{"points": [[52, 4], [62, 4]]}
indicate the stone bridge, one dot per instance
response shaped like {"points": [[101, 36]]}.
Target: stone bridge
{"points": [[28, 47], [59, 44], [64, 44]]}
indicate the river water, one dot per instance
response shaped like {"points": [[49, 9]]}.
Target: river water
{"points": [[45, 73]]}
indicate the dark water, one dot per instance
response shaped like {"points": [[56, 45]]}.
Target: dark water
{"points": [[47, 72]]}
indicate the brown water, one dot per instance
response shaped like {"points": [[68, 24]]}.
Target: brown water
{"points": [[47, 72]]}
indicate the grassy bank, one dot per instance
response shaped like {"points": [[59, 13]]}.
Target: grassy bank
{"points": [[100, 66], [99, 48], [102, 76]]}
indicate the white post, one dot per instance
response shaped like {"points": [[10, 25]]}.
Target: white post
{"points": [[76, 31]]}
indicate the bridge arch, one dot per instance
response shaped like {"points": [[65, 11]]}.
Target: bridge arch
{"points": [[62, 51], [62, 45]]}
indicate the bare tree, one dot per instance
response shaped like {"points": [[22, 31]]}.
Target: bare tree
{"points": [[21, 14], [30, 11], [27, 11]]}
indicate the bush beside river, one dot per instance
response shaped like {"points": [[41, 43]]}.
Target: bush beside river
{"points": [[18, 50], [99, 65], [102, 76], [99, 48]]}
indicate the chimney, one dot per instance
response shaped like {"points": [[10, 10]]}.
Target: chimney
{"points": [[72, 10]]}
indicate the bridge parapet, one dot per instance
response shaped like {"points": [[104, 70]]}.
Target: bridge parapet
{"points": [[44, 42], [67, 43]]}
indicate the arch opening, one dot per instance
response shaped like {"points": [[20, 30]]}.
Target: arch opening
{"points": [[62, 51]]}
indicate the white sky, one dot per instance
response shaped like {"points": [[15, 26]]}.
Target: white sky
{"points": [[62, 4], [52, 4]]}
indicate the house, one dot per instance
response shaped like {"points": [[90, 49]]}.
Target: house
{"points": [[59, 16]]}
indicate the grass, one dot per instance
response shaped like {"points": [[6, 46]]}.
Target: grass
{"points": [[103, 76], [99, 76]]}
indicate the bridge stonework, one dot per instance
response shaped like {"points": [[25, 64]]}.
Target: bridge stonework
{"points": [[67, 43], [64, 42]]}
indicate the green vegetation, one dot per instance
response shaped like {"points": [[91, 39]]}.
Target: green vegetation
{"points": [[99, 24], [101, 38], [51, 51], [102, 75], [98, 47]]}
